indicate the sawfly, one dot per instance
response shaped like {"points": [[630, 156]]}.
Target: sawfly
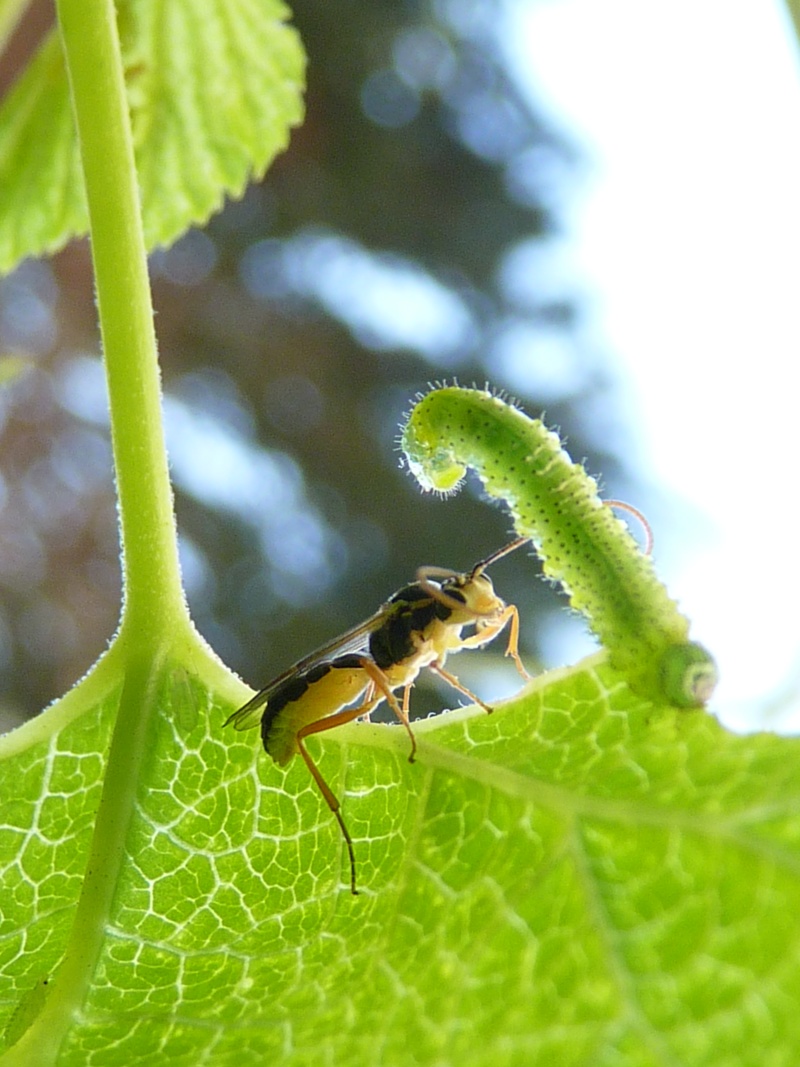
{"points": [[345, 679]]}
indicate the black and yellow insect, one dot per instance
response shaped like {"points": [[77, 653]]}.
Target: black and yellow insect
{"points": [[417, 627]]}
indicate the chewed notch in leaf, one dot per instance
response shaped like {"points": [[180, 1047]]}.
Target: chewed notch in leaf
{"points": [[582, 544]]}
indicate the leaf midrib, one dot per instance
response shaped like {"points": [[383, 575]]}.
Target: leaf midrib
{"points": [[635, 811]]}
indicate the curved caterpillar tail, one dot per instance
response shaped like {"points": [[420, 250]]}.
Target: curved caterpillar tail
{"points": [[582, 544]]}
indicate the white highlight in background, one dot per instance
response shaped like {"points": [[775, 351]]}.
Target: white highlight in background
{"points": [[689, 235]]}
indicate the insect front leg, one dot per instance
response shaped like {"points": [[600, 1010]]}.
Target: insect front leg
{"points": [[488, 630]]}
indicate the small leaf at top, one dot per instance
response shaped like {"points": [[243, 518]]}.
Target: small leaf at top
{"points": [[214, 89]]}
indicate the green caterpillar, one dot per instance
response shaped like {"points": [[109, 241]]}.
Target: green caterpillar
{"points": [[581, 542]]}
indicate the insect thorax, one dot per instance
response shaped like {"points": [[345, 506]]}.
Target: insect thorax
{"points": [[413, 611]]}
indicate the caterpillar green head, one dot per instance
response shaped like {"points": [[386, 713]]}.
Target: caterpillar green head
{"points": [[431, 461]]}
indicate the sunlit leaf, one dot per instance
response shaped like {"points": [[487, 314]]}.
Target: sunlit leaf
{"points": [[580, 878], [214, 89]]}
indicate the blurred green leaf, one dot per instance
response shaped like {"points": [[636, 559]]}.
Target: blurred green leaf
{"points": [[214, 90]]}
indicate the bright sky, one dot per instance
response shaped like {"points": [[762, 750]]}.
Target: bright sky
{"points": [[688, 237]]}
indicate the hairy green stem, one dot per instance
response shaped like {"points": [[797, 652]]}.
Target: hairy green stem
{"points": [[582, 544], [154, 617], [153, 595]]}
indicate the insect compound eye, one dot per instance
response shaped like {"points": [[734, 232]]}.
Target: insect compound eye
{"points": [[481, 582], [450, 600], [453, 592], [581, 543]]}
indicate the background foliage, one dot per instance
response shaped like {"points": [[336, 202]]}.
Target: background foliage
{"points": [[421, 170]]}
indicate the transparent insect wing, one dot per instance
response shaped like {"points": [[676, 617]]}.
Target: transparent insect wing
{"points": [[414, 629], [354, 640], [250, 714]]}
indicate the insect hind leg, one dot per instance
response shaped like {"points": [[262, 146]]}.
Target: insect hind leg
{"points": [[318, 727]]}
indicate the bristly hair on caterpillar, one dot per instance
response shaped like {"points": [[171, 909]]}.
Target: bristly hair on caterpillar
{"points": [[442, 486], [582, 544]]}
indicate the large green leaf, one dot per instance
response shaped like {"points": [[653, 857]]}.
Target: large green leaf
{"points": [[580, 878], [214, 89]]}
